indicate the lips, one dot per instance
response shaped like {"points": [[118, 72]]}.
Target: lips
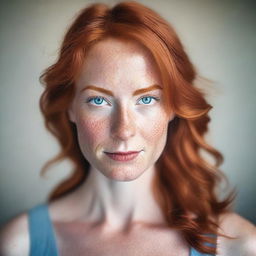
{"points": [[123, 156], [123, 153]]}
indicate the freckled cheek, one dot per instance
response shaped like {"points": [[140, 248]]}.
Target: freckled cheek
{"points": [[92, 132], [156, 130]]}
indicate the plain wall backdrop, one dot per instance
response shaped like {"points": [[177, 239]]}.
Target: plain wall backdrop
{"points": [[219, 37]]}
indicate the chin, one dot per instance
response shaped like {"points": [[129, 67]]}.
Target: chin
{"points": [[125, 174]]}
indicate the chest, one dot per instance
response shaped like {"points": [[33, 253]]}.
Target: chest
{"points": [[80, 240]]}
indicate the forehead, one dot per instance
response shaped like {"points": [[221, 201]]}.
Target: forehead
{"points": [[112, 62]]}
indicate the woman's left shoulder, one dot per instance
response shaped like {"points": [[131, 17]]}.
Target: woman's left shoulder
{"points": [[243, 231]]}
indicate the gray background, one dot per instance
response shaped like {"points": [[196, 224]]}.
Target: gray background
{"points": [[220, 39]]}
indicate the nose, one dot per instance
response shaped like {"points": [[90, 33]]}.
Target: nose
{"points": [[123, 124]]}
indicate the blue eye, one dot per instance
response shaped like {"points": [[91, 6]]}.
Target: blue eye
{"points": [[147, 100], [97, 101]]}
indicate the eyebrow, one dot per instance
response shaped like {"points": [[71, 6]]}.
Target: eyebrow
{"points": [[108, 92]]}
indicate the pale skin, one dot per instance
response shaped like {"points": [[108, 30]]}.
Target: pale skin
{"points": [[115, 208]]}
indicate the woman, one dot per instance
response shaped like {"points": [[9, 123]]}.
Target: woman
{"points": [[122, 103]]}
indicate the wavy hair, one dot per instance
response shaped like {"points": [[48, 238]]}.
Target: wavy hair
{"points": [[185, 183]]}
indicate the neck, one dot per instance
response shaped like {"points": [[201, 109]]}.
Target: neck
{"points": [[119, 204]]}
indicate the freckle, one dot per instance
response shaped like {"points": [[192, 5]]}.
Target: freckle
{"points": [[93, 127], [157, 129]]}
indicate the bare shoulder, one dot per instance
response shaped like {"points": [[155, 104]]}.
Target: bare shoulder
{"points": [[243, 233], [14, 237]]}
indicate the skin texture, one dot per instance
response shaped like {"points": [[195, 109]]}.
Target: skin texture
{"points": [[114, 212], [124, 122]]}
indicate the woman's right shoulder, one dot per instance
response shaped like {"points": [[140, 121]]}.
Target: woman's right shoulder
{"points": [[14, 236]]}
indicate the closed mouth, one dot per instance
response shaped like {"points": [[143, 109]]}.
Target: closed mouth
{"points": [[123, 153], [123, 156]]}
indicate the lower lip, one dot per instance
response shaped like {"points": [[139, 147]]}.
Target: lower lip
{"points": [[122, 157]]}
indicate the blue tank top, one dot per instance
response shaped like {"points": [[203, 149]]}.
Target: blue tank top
{"points": [[42, 237]]}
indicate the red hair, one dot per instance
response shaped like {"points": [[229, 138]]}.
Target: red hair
{"points": [[185, 182]]}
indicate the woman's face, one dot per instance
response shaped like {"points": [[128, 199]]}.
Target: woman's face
{"points": [[118, 107]]}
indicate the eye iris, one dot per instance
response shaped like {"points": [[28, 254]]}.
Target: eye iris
{"points": [[146, 100], [98, 100]]}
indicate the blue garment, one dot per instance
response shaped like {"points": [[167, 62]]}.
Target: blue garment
{"points": [[41, 233], [42, 237]]}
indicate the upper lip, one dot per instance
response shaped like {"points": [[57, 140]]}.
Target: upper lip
{"points": [[123, 153]]}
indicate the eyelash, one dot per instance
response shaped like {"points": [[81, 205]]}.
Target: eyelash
{"points": [[145, 96]]}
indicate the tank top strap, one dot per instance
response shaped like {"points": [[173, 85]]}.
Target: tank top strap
{"points": [[41, 234], [194, 252]]}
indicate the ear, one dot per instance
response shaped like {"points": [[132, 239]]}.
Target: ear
{"points": [[171, 116], [71, 115]]}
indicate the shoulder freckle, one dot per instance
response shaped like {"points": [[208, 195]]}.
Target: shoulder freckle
{"points": [[14, 237]]}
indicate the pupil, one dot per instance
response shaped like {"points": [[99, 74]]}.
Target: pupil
{"points": [[147, 99], [98, 100]]}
